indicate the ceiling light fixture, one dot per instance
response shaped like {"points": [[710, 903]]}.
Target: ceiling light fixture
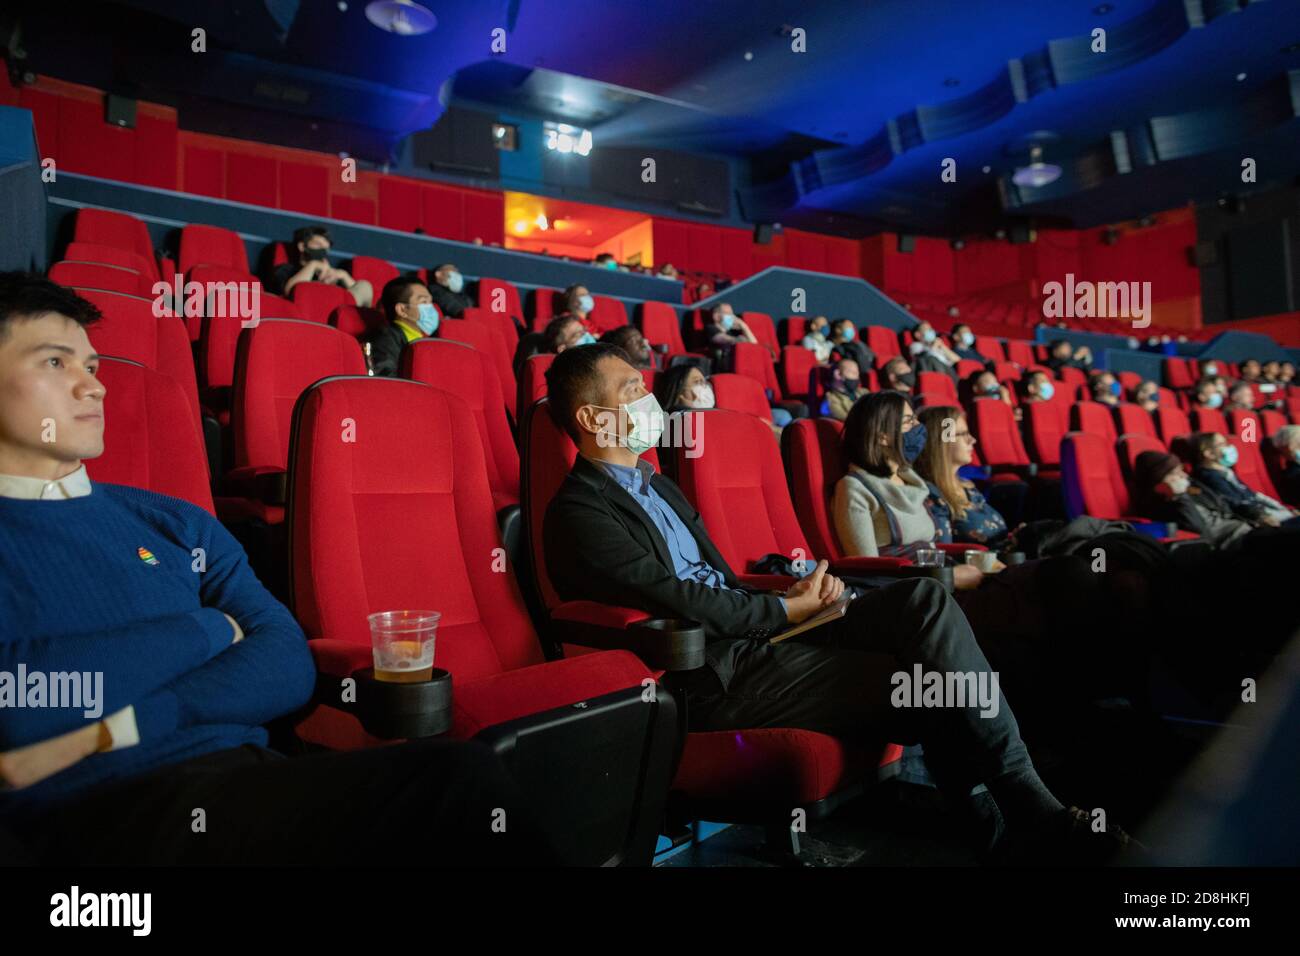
{"points": [[403, 17], [1038, 173]]}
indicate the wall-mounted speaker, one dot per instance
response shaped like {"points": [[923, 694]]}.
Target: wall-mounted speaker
{"points": [[906, 242], [763, 233], [119, 111]]}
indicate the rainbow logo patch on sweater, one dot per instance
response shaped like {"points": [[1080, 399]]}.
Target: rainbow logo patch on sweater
{"points": [[146, 556]]}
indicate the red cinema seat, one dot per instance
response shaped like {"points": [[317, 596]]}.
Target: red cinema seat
{"points": [[95, 275], [1072, 379], [463, 370], [764, 329], [740, 393], [1130, 446], [488, 340], [1179, 373], [993, 423], [939, 385], [1094, 418], [660, 325], [1020, 352], [1133, 419], [499, 296], [1251, 469], [212, 246], [1209, 420], [1044, 426], [1007, 372], [1255, 425], [1091, 480], [990, 348], [750, 774], [797, 364], [1129, 381], [222, 287], [749, 358], [378, 272], [532, 380], [793, 329], [355, 321], [367, 516], [130, 330], [151, 439], [274, 364], [882, 341], [966, 367], [106, 227], [78, 251], [316, 300], [607, 313], [1171, 421], [544, 304]]}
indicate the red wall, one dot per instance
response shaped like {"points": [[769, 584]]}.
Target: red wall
{"points": [[700, 247]]}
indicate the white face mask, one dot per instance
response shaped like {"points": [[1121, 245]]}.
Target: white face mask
{"points": [[1178, 483], [645, 424], [703, 396]]}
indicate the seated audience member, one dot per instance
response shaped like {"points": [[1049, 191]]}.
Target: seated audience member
{"points": [[959, 510], [606, 260], [193, 665], [982, 384], [619, 533], [1213, 458], [929, 353], [1241, 397], [726, 328], [843, 389], [577, 303], [684, 387], [1286, 373], [848, 344], [1061, 353], [630, 340], [898, 376], [1287, 442], [1251, 371], [447, 293], [1207, 395], [817, 340], [1164, 492], [1272, 371], [1035, 387], [963, 343], [1104, 388], [411, 315], [311, 264], [667, 271], [1147, 395], [565, 332]]}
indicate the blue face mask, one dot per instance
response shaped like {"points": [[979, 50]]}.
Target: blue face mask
{"points": [[611, 264], [587, 339], [586, 303], [1154, 398], [1215, 400], [1116, 389], [847, 334], [967, 339], [928, 336], [1229, 457], [1046, 390], [1210, 370], [914, 442], [1296, 455], [455, 281], [726, 320], [429, 318]]}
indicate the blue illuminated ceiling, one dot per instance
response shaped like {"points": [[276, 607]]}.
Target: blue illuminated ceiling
{"points": [[849, 135]]}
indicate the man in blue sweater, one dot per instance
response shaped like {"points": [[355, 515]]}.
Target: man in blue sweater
{"points": [[139, 657]]}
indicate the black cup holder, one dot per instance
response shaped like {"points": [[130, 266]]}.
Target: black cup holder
{"points": [[403, 711], [673, 644], [942, 575]]}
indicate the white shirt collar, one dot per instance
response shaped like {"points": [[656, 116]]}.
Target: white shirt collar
{"points": [[74, 485]]}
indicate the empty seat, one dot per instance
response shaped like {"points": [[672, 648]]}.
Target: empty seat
{"points": [[487, 340], [607, 313], [764, 329], [1094, 418], [882, 341], [106, 227], [740, 393], [994, 425], [797, 366], [130, 330], [1129, 381], [378, 272], [316, 300], [151, 438], [212, 246], [1179, 373], [497, 295], [356, 321], [1132, 445], [748, 358], [1020, 352], [1171, 421], [544, 307], [532, 379], [1073, 378], [1251, 469], [1133, 419], [990, 348], [1007, 372], [463, 370], [1044, 426], [968, 367], [1091, 479], [113, 256], [938, 385], [660, 325], [274, 364], [223, 287], [96, 275], [368, 516], [1209, 420]]}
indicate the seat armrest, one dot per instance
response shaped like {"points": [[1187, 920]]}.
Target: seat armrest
{"points": [[345, 681], [662, 643]]}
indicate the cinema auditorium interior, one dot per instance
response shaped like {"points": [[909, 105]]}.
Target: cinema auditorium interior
{"points": [[581, 434]]}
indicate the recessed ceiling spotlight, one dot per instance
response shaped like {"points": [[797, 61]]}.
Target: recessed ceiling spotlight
{"points": [[1038, 173], [749, 55], [1240, 77], [987, 169], [403, 17]]}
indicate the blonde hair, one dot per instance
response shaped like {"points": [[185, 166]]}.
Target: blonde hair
{"points": [[933, 465]]}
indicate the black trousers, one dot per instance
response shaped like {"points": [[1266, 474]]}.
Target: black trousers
{"points": [[839, 678], [426, 803]]}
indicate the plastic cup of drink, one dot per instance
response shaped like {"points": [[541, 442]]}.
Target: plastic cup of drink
{"points": [[984, 560], [403, 645], [929, 559]]}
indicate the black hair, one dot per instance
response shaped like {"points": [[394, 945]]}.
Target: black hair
{"points": [[670, 384], [25, 296], [396, 292], [1027, 379], [880, 413], [573, 380], [307, 233], [619, 336], [554, 331]]}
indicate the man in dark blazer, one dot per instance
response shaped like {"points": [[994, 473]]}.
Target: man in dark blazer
{"points": [[618, 533]]}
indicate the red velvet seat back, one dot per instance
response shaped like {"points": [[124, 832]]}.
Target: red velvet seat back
{"points": [[755, 361], [881, 340], [274, 364], [1091, 478], [1045, 429], [401, 518], [378, 272], [79, 251], [1209, 420], [95, 275], [1171, 422], [742, 394], [607, 313], [151, 438], [316, 300], [764, 329], [938, 385], [487, 338], [814, 454], [660, 326], [1094, 418], [213, 246], [464, 371], [108, 228], [497, 295], [1135, 420], [994, 426]]}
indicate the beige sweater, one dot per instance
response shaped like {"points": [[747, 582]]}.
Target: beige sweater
{"points": [[860, 522]]}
